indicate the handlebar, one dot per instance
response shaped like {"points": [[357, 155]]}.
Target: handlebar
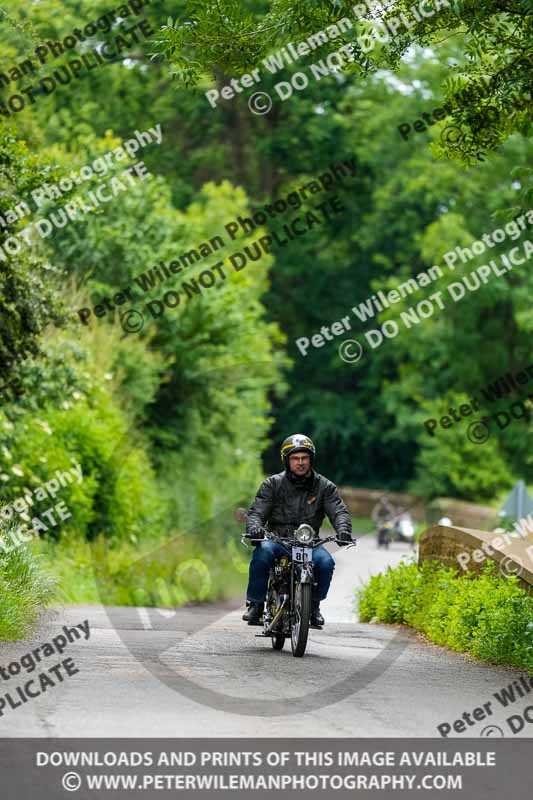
{"points": [[241, 516], [291, 540]]}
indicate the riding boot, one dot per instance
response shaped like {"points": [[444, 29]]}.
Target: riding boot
{"points": [[317, 620], [253, 614]]}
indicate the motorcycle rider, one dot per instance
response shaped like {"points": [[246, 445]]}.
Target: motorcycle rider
{"points": [[286, 500], [383, 511]]}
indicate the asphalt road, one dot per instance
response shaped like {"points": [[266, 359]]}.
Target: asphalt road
{"points": [[202, 672]]}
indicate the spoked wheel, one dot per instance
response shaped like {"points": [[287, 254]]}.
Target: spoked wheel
{"points": [[302, 615], [278, 640]]}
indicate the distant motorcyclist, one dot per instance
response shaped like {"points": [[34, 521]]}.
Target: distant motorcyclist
{"points": [[383, 511], [286, 500], [383, 516]]}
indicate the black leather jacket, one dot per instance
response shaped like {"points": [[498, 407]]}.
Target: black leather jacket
{"points": [[284, 504]]}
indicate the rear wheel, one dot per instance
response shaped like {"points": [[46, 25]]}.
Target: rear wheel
{"points": [[302, 615]]}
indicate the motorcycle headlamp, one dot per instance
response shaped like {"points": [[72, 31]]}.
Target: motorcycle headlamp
{"points": [[304, 534]]}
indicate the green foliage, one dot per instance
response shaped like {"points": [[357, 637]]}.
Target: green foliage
{"points": [[24, 588], [68, 413], [363, 525], [488, 85], [27, 297], [449, 464], [485, 615], [170, 424], [159, 572]]}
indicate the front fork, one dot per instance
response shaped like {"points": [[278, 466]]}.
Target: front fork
{"points": [[300, 574]]}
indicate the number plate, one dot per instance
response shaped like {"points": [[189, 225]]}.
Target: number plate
{"points": [[302, 554]]}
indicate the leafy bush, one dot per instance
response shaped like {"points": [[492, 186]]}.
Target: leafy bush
{"points": [[24, 589], [449, 464], [154, 573], [72, 412], [29, 298], [483, 614]]}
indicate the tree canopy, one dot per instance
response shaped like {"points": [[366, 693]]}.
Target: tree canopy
{"points": [[208, 388]]}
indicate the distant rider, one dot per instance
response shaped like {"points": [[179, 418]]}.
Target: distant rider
{"points": [[383, 511], [286, 500]]}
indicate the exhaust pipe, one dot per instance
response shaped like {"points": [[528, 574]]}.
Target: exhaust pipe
{"points": [[278, 614]]}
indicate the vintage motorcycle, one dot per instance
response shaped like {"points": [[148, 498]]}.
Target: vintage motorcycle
{"points": [[399, 527], [287, 609], [385, 531]]}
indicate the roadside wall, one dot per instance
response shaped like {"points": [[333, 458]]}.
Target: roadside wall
{"points": [[469, 549], [361, 502]]}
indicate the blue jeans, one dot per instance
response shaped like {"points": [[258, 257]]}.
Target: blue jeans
{"points": [[261, 562]]}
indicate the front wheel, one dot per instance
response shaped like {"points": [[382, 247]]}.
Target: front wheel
{"points": [[302, 616]]}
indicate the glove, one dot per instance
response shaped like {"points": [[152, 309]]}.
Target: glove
{"points": [[343, 539], [255, 533]]}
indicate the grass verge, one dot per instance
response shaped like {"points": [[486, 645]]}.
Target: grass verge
{"points": [[155, 572], [24, 589], [486, 615]]}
